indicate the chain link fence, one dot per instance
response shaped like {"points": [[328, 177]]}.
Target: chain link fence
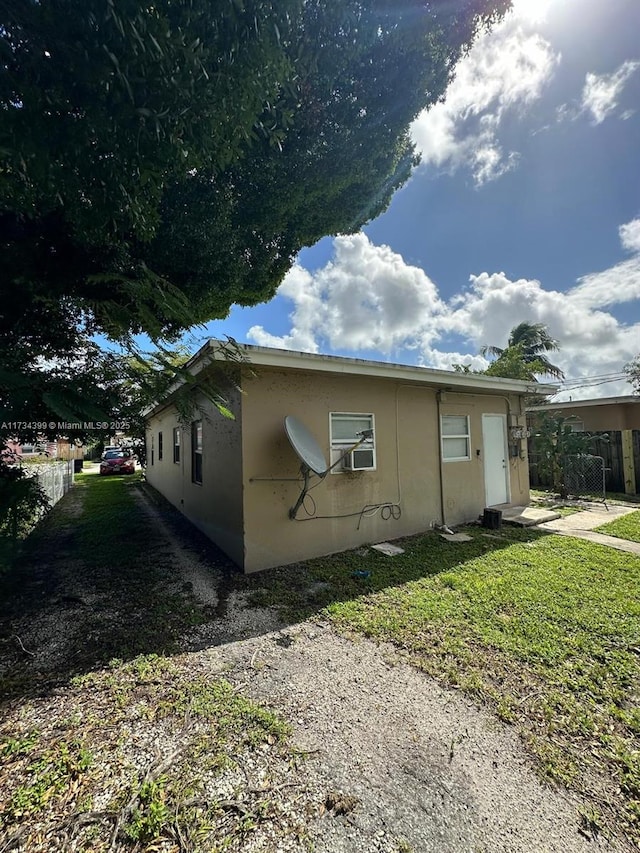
{"points": [[584, 476], [55, 479]]}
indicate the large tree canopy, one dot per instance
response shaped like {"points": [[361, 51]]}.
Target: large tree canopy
{"points": [[152, 152], [162, 161]]}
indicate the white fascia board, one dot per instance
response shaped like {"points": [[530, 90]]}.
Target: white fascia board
{"points": [[442, 379], [581, 404], [445, 380]]}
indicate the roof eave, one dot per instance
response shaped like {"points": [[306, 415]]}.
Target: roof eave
{"points": [[445, 380]]}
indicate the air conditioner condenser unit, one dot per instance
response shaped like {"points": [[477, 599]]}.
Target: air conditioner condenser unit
{"points": [[361, 459]]}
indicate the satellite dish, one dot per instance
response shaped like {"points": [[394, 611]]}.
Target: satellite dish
{"points": [[305, 445]]}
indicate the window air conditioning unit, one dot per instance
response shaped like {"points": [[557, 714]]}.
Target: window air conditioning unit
{"points": [[361, 459]]}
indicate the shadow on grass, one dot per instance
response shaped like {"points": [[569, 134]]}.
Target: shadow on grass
{"points": [[97, 581], [301, 590]]}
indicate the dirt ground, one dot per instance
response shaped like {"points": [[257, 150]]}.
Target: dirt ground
{"points": [[393, 762], [429, 769]]}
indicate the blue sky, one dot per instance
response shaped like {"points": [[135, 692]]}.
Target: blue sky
{"points": [[526, 207]]}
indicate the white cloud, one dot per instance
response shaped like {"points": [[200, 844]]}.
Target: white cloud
{"points": [[630, 235], [506, 70], [368, 298], [601, 92], [305, 292], [533, 11]]}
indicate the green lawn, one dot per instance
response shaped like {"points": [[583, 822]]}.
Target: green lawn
{"points": [[626, 527], [146, 736], [97, 540], [545, 629]]}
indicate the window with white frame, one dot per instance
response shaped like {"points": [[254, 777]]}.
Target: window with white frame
{"points": [[176, 444], [196, 452], [456, 438], [346, 430]]}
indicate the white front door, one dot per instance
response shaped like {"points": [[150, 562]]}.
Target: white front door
{"points": [[496, 469]]}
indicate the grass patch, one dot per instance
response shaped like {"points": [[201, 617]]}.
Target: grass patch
{"points": [[93, 554], [625, 527], [622, 498], [545, 629], [145, 755]]}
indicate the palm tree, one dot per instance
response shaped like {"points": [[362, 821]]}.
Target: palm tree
{"points": [[532, 340]]}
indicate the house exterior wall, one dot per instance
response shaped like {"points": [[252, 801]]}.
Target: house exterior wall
{"points": [[599, 418], [407, 474], [215, 505], [464, 482]]}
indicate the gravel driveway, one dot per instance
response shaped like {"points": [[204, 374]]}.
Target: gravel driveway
{"points": [[430, 771], [395, 762]]}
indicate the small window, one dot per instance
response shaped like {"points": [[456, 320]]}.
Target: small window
{"points": [[153, 447], [456, 439], [196, 452], [576, 424], [347, 430], [159, 446], [176, 444]]}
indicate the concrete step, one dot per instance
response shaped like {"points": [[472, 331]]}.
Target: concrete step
{"points": [[527, 516]]}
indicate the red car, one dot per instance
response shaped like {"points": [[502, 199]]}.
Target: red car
{"points": [[117, 462]]}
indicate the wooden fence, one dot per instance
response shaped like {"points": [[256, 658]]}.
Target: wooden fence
{"points": [[611, 452]]}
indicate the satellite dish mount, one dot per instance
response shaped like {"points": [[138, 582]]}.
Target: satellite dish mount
{"points": [[312, 458]]}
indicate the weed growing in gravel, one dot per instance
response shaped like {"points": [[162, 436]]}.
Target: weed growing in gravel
{"points": [[47, 772], [214, 767], [151, 816], [545, 629]]}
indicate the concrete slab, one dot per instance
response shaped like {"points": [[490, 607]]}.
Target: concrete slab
{"points": [[527, 516], [579, 524], [388, 549], [588, 519], [582, 524], [455, 537]]}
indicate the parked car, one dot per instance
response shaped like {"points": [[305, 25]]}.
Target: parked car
{"points": [[109, 448], [117, 462]]}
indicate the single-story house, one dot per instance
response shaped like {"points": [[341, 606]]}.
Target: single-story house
{"points": [[409, 448], [42, 447], [604, 414], [599, 415]]}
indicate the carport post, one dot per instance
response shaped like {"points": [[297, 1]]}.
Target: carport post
{"points": [[628, 462]]}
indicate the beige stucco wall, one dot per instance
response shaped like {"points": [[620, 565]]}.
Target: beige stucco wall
{"points": [[612, 416], [408, 464], [215, 506], [464, 482]]}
